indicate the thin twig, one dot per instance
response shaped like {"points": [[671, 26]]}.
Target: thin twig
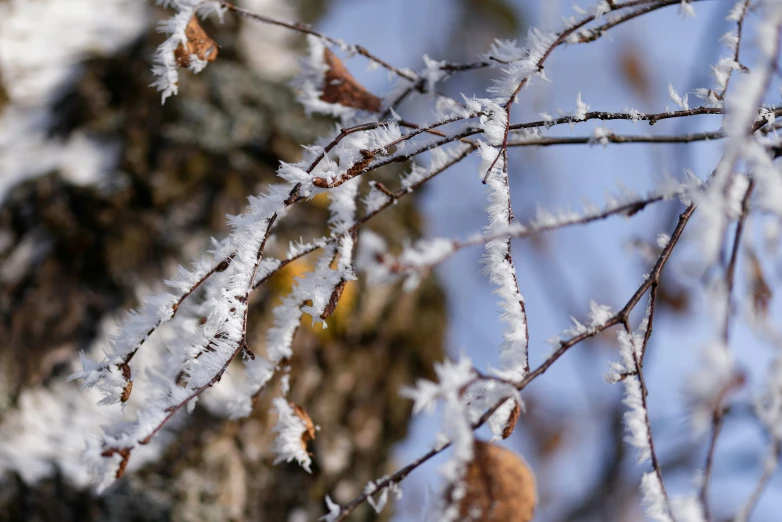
{"points": [[769, 468], [717, 416], [616, 139], [308, 29], [739, 33], [644, 393]]}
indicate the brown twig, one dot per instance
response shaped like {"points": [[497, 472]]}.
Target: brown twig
{"points": [[730, 269], [616, 139], [363, 165], [652, 118]]}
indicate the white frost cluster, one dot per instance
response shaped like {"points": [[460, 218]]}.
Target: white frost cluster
{"points": [[289, 428], [419, 258], [599, 314], [439, 159], [45, 435], [502, 275], [707, 385], [678, 100], [453, 379], [432, 73], [636, 418], [687, 508], [372, 488], [653, 498], [600, 135], [579, 114], [518, 64], [493, 122], [581, 109], [334, 511], [372, 252], [686, 9]]}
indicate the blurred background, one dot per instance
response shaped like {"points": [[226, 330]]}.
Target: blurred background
{"points": [[103, 191]]}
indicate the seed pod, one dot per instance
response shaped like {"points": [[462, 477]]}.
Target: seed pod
{"points": [[499, 487]]}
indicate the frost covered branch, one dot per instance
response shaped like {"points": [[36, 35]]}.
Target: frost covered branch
{"points": [[210, 303]]}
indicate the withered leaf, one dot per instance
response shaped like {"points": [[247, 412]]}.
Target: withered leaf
{"points": [[198, 43], [499, 487], [125, 369], [126, 390], [513, 418], [309, 431], [341, 88]]}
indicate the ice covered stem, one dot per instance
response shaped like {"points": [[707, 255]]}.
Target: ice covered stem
{"points": [[637, 423], [498, 266]]}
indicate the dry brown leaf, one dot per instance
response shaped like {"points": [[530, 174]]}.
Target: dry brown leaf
{"points": [[125, 369], [513, 418], [309, 431], [341, 88], [499, 487], [198, 43]]}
